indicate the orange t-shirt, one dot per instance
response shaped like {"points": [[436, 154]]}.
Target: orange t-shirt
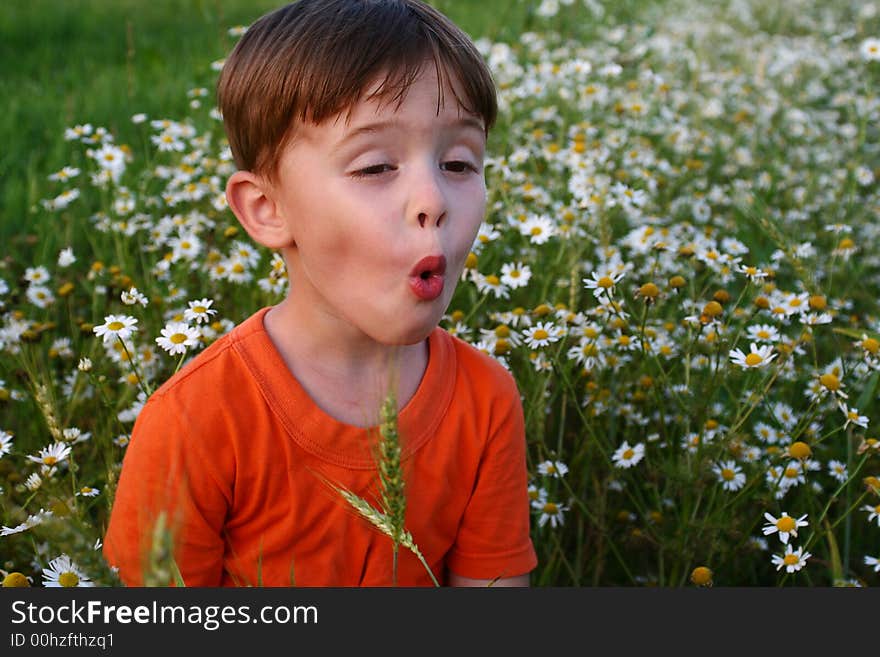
{"points": [[240, 456]]}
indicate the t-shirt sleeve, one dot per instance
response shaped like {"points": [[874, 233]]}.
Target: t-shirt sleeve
{"points": [[493, 538], [168, 473]]}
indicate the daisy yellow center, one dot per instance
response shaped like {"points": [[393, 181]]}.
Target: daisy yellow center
{"points": [[85, 490], [779, 310], [199, 309], [852, 415], [551, 508], [751, 271], [605, 282], [109, 157], [185, 245], [794, 303], [50, 460], [537, 230], [551, 469], [871, 345], [533, 494], [649, 290], [727, 474], [115, 326], [540, 334], [799, 450], [785, 524], [846, 243], [514, 273], [628, 454], [624, 340], [15, 580], [502, 331], [238, 268], [492, 279], [68, 579], [791, 473], [754, 359], [790, 559], [178, 338], [701, 576], [763, 334]]}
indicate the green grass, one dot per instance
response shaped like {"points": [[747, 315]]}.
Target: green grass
{"points": [[99, 62]]}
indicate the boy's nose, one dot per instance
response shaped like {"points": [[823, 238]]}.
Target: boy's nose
{"points": [[428, 201]]}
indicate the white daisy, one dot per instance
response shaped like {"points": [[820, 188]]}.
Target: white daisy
{"points": [[36, 275], [116, 326], [852, 416], [763, 333], [5, 443], [838, 470], [177, 337], [551, 512], [542, 334], [62, 572], [199, 311], [66, 257], [32, 521], [133, 296], [40, 295], [538, 229], [754, 274], [553, 468], [870, 49], [515, 275], [757, 356], [602, 284], [793, 561], [785, 525], [626, 456], [52, 455], [873, 561], [730, 475]]}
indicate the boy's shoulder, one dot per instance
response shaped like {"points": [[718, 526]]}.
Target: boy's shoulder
{"points": [[481, 369]]}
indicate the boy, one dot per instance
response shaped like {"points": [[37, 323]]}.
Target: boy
{"points": [[359, 129]]}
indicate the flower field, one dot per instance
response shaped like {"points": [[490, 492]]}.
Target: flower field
{"points": [[679, 265]]}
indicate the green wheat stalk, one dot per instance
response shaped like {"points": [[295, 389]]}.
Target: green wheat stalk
{"points": [[390, 518]]}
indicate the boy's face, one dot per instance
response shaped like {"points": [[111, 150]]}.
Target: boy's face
{"points": [[377, 206]]}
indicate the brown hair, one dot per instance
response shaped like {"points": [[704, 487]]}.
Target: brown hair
{"points": [[312, 59]]}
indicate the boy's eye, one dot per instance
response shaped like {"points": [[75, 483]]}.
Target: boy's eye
{"points": [[459, 166], [374, 170]]}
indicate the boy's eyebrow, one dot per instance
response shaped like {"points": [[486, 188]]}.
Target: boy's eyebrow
{"points": [[379, 126]]}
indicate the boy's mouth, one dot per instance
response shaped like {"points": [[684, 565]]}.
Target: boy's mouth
{"points": [[426, 278]]}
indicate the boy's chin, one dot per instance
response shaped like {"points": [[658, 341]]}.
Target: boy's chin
{"points": [[406, 335]]}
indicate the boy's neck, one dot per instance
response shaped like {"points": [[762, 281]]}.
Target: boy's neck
{"points": [[344, 372]]}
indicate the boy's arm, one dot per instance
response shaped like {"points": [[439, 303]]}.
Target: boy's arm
{"points": [[166, 471], [458, 580]]}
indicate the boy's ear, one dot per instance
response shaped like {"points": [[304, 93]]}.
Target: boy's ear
{"points": [[251, 199]]}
